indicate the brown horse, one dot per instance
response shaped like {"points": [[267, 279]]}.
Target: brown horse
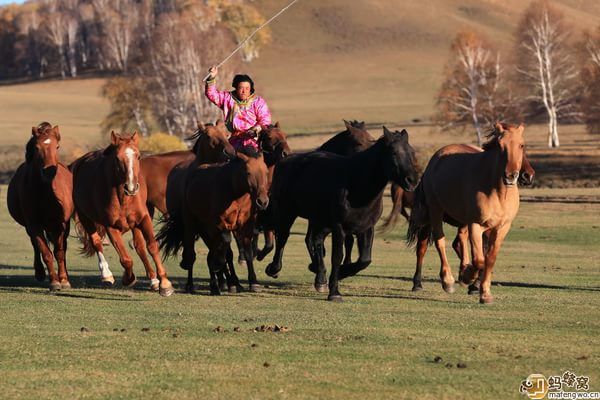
{"points": [[211, 146], [210, 201], [478, 190], [110, 197], [40, 198]]}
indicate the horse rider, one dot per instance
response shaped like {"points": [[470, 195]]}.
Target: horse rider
{"points": [[245, 113]]}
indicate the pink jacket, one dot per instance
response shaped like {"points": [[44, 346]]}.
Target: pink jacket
{"points": [[239, 115]]}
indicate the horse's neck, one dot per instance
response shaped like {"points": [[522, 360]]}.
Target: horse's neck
{"points": [[494, 167], [367, 176], [234, 185], [110, 184]]}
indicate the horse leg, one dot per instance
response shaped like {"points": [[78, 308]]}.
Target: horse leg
{"points": [[348, 245], [471, 273], [309, 240], [281, 236], [165, 287], [116, 239], [37, 234], [315, 241], [421, 249], [460, 246], [214, 266], [242, 260], [89, 226], [247, 235], [233, 282], [188, 256], [365, 246], [139, 244], [60, 251], [38, 266], [337, 253], [269, 236], [495, 241], [440, 244]]}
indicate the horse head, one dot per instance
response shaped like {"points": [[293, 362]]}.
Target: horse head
{"points": [[511, 144], [42, 149], [255, 178], [402, 163], [527, 172], [361, 137], [212, 144], [273, 143], [124, 148]]}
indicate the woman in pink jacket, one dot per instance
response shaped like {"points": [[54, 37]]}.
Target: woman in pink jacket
{"points": [[245, 113]]}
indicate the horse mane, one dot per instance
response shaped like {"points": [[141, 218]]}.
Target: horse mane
{"points": [[493, 134], [195, 136], [30, 148]]}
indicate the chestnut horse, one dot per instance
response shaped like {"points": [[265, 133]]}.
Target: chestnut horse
{"points": [[110, 197], [210, 201], [40, 198], [337, 194], [211, 146], [478, 190]]}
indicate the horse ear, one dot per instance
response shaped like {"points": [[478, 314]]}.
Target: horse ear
{"points": [[220, 123], [404, 134], [113, 138], [34, 131], [522, 127], [348, 124], [57, 132], [499, 127], [200, 125], [276, 124], [387, 134], [135, 137]]}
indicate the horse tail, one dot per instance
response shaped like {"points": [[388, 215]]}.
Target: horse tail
{"points": [[392, 219], [170, 236], [88, 248], [419, 217]]}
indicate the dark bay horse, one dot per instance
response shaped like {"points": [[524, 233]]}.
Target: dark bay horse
{"points": [[110, 197], [478, 190], [40, 199], [211, 201], [211, 146], [337, 194]]}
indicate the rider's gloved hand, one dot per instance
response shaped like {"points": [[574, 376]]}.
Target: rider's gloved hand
{"points": [[212, 72]]}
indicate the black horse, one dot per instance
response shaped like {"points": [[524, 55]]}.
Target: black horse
{"points": [[337, 194]]}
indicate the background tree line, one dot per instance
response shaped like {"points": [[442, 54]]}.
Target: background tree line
{"points": [[155, 51], [549, 75]]}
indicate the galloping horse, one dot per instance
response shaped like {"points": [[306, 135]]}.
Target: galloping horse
{"points": [[211, 146], [478, 190], [210, 201], [40, 198], [110, 197], [337, 194]]}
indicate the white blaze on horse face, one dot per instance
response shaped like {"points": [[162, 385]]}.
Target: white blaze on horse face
{"points": [[130, 153], [103, 266], [47, 141]]}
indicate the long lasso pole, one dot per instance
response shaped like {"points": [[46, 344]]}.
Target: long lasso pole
{"points": [[251, 35]]}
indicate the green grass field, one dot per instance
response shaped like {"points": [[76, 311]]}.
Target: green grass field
{"points": [[380, 342]]}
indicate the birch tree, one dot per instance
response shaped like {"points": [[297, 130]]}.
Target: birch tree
{"points": [[545, 64], [590, 79], [470, 91]]}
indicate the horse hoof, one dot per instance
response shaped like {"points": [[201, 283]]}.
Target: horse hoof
{"points": [[469, 275], [215, 292], [473, 289], [223, 287], [166, 291], [108, 281], [448, 287], [489, 299], [129, 285], [336, 298], [255, 287], [232, 289], [321, 288], [417, 288], [65, 285], [190, 289], [40, 276], [242, 263], [154, 285], [55, 286], [272, 270], [260, 255]]}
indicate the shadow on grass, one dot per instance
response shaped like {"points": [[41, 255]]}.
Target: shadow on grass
{"points": [[30, 268], [496, 283]]}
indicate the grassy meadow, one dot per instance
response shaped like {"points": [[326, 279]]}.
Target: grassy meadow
{"points": [[381, 341]]}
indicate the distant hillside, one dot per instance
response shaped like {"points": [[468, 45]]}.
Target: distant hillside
{"points": [[377, 60]]}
